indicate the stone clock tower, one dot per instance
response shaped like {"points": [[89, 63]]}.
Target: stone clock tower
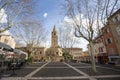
{"points": [[54, 53], [54, 38]]}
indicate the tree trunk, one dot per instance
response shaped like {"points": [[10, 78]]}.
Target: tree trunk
{"points": [[92, 57]]}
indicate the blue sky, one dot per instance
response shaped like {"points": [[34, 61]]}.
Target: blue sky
{"points": [[50, 13], [52, 9]]}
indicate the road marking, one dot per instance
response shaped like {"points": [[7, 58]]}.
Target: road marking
{"points": [[44, 78], [31, 67], [69, 67], [35, 71], [82, 66], [57, 78], [57, 67], [86, 75], [106, 76], [13, 78], [104, 67], [85, 64], [109, 68]]}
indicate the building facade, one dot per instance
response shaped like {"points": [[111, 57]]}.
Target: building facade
{"points": [[102, 56], [76, 53], [114, 22], [55, 52], [109, 42], [111, 36], [107, 48], [6, 38], [39, 53], [85, 56]]}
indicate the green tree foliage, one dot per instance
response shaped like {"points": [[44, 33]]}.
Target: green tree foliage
{"points": [[30, 58], [67, 56]]}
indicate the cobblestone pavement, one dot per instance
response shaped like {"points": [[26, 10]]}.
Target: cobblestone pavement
{"points": [[64, 71]]}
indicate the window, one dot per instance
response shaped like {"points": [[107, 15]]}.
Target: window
{"points": [[100, 49], [40, 52], [57, 53], [106, 42], [111, 51], [35, 53], [116, 18], [118, 30], [54, 33], [109, 40], [95, 51], [5, 41], [102, 40], [107, 30]]}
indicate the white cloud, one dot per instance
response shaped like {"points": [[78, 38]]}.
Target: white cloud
{"points": [[3, 16], [70, 22], [5, 33], [82, 43], [45, 15]]}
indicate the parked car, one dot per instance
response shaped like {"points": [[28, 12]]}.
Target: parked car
{"points": [[114, 60], [74, 61]]}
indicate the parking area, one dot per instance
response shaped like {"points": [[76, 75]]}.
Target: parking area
{"points": [[64, 71]]}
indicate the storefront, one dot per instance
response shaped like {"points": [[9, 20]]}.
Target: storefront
{"points": [[102, 58]]}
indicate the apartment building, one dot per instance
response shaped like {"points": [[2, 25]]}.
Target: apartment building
{"points": [[102, 56], [114, 22], [110, 43], [75, 52]]}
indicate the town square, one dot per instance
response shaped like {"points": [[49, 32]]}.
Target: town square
{"points": [[59, 39]]}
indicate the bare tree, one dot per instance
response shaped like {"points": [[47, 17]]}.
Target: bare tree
{"points": [[66, 39], [87, 17], [31, 33], [13, 10]]}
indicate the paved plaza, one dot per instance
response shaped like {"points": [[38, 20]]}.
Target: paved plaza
{"points": [[63, 71]]}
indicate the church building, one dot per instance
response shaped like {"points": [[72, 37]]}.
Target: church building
{"points": [[54, 53]]}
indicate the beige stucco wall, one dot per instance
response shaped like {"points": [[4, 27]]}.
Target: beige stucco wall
{"points": [[100, 45], [54, 54], [7, 39], [96, 47], [76, 53], [39, 53]]}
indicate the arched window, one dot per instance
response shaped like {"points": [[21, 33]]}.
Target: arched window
{"points": [[40, 52], [57, 53]]}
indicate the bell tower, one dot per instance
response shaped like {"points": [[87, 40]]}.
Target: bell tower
{"points": [[54, 37]]}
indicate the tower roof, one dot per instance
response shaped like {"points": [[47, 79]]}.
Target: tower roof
{"points": [[54, 29]]}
